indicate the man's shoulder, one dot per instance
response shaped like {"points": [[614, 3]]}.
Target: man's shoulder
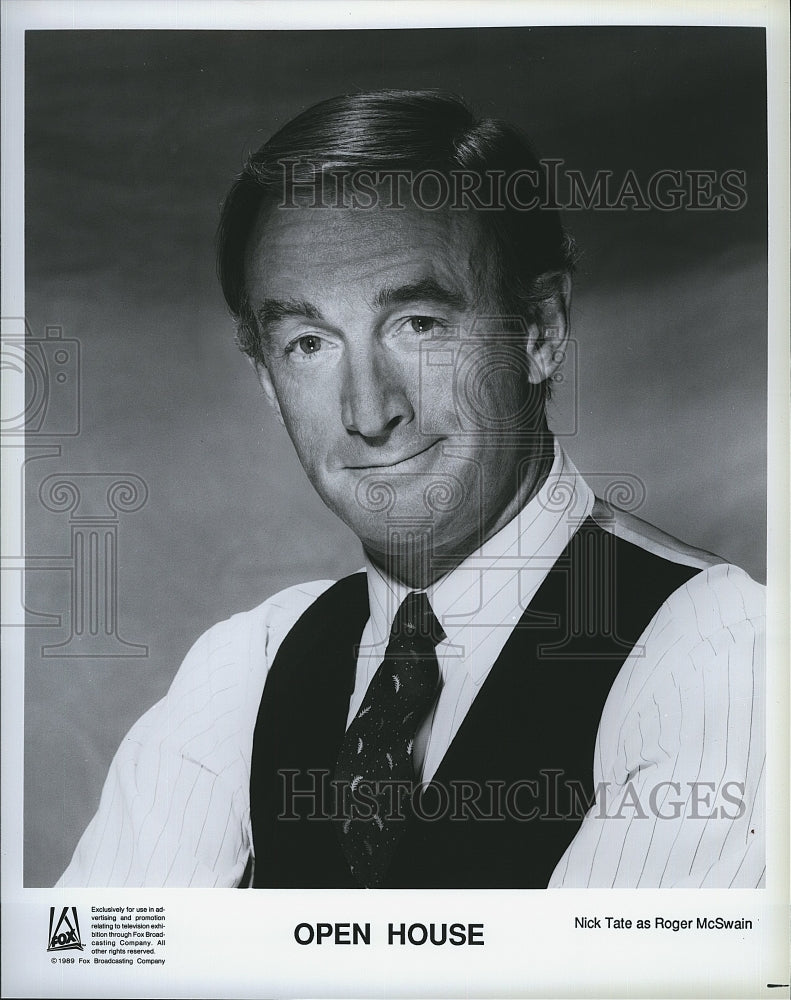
{"points": [[245, 644], [647, 536], [277, 614], [719, 595], [708, 635]]}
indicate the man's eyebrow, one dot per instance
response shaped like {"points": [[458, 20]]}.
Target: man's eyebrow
{"points": [[425, 289], [272, 310]]}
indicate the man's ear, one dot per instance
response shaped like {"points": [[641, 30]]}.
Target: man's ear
{"points": [[549, 331], [265, 381]]}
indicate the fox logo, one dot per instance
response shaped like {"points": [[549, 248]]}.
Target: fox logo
{"points": [[65, 934]]}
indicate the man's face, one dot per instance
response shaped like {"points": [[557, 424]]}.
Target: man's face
{"points": [[380, 358]]}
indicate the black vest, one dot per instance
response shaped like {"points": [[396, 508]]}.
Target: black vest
{"points": [[512, 789]]}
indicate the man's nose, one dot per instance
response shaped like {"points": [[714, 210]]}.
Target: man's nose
{"points": [[375, 400]]}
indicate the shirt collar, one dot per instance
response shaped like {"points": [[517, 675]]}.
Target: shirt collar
{"points": [[501, 575]]}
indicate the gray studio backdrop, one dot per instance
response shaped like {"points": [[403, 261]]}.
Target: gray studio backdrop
{"points": [[132, 139]]}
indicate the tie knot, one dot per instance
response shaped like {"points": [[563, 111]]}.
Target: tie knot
{"points": [[415, 618]]}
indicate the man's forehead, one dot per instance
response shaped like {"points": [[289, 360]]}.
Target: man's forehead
{"points": [[348, 244]]}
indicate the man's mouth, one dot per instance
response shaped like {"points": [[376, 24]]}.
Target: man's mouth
{"points": [[395, 463]]}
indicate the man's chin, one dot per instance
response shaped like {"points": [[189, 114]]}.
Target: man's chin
{"points": [[397, 516], [405, 540]]}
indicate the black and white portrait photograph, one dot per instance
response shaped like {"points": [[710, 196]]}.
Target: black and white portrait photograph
{"points": [[390, 431]]}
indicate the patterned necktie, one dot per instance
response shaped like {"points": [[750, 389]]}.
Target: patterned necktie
{"points": [[377, 749]]}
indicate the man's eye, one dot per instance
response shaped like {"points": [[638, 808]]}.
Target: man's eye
{"points": [[422, 324], [306, 347], [309, 344]]}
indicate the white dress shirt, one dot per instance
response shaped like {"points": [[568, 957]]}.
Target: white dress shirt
{"points": [[678, 764]]}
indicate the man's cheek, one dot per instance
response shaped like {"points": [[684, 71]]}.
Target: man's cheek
{"points": [[435, 406], [309, 435]]}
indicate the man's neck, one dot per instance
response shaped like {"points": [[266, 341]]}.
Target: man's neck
{"points": [[427, 559]]}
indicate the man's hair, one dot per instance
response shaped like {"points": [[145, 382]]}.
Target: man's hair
{"points": [[385, 131]]}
